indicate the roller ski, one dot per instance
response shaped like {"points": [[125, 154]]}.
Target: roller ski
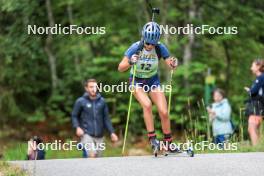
{"points": [[168, 151]]}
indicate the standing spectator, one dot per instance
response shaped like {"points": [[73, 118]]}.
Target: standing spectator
{"points": [[220, 116], [90, 117], [255, 105]]}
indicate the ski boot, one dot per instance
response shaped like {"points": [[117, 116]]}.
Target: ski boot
{"points": [[155, 146]]}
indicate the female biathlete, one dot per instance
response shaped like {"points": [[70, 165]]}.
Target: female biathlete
{"points": [[146, 54], [255, 105]]}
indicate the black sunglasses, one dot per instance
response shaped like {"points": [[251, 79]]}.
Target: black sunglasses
{"points": [[148, 43]]}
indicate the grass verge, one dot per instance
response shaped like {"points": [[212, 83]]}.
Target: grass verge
{"points": [[8, 170]]}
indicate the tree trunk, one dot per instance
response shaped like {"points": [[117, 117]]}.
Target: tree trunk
{"points": [[76, 58], [164, 13], [187, 56], [146, 11], [48, 50], [228, 66], [164, 16], [139, 14]]}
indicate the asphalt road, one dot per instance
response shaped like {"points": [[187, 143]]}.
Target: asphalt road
{"points": [[242, 164]]}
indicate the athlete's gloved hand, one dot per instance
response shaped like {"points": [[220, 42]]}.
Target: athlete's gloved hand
{"points": [[133, 59], [174, 62]]}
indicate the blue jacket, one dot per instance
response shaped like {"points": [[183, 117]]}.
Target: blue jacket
{"points": [[257, 87], [222, 122], [91, 115]]}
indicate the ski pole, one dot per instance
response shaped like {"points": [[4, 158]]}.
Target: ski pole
{"points": [[169, 103], [171, 74], [129, 108]]}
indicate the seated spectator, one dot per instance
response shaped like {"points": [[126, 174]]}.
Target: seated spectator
{"points": [[33, 152]]}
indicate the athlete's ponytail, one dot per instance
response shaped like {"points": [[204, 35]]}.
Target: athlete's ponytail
{"points": [[260, 63]]}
